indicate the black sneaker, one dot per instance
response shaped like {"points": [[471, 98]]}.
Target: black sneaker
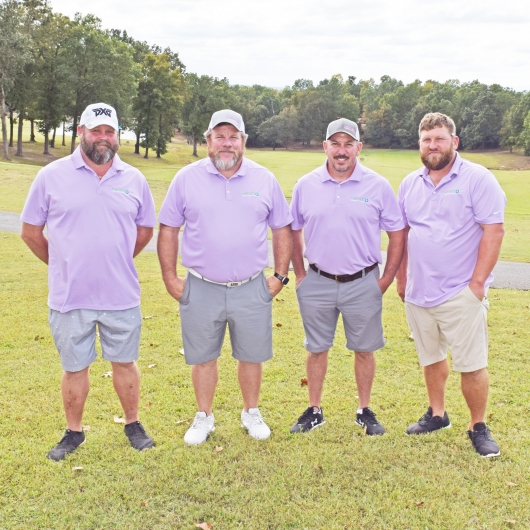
{"points": [[138, 437], [482, 441], [429, 423], [68, 444], [309, 420], [368, 420]]}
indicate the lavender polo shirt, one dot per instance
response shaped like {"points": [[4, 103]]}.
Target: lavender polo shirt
{"points": [[227, 220], [91, 227], [342, 222], [445, 228]]}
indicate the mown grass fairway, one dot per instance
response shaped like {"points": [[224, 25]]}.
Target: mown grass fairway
{"points": [[333, 478], [289, 166]]}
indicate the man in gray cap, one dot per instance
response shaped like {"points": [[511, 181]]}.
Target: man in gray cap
{"points": [[227, 203], [341, 207]]}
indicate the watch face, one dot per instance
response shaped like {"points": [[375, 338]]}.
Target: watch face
{"points": [[283, 279]]}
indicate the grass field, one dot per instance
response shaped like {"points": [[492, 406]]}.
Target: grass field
{"points": [[289, 166], [333, 478]]}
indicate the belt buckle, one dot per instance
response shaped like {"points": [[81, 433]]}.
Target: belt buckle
{"points": [[337, 278], [233, 284]]}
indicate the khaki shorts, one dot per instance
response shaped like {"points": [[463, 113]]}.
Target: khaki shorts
{"points": [[459, 324]]}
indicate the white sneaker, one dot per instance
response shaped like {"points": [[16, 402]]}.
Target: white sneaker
{"points": [[253, 422], [200, 429]]}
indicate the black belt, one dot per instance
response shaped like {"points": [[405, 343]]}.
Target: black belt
{"points": [[343, 278]]}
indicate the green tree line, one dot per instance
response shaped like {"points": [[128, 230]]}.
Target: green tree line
{"points": [[52, 67]]}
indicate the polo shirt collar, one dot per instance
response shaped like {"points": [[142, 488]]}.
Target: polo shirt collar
{"points": [[357, 174], [79, 162], [241, 172], [454, 172]]}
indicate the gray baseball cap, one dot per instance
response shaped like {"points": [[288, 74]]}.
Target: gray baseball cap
{"points": [[343, 125], [227, 116]]}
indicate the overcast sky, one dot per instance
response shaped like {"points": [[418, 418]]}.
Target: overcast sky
{"points": [[275, 42]]}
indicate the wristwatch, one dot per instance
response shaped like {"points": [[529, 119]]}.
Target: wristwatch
{"points": [[283, 279]]}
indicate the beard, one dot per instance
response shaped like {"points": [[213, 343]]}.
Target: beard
{"points": [[341, 169], [224, 165], [444, 159], [94, 152]]}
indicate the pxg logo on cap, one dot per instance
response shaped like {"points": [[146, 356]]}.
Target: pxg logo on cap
{"points": [[99, 114], [227, 116]]}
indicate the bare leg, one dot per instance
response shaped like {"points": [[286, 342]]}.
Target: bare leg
{"points": [[74, 388], [364, 376], [249, 377], [475, 387], [204, 377], [435, 379], [126, 379], [316, 368]]}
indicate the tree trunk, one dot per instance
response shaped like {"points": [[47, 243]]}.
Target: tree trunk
{"points": [[19, 136], [4, 124], [32, 131], [11, 124], [46, 141], [64, 133], [52, 143], [137, 144], [195, 146], [74, 133], [146, 152]]}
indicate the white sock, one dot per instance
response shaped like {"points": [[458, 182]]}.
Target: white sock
{"points": [[359, 411]]}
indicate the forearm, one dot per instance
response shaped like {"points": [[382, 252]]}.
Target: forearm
{"points": [[401, 273], [143, 236], [34, 238], [167, 249], [282, 249], [298, 253], [488, 253], [394, 255]]}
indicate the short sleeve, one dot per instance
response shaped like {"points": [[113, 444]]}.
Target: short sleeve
{"points": [[298, 219], [489, 200], [146, 213], [172, 212], [35, 211], [279, 215], [391, 217]]}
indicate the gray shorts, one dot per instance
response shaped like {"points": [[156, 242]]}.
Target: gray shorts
{"points": [[360, 302], [74, 335], [205, 310]]}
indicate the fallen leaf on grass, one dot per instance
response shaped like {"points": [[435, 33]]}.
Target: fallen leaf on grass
{"points": [[183, 421], [24, 362], [204, 526], [107, 374], [303, 381], [419, 503], [151, 365], [86, 428], [181, 351], [38, 337], [318, 468], [77, 468], [278, 325], [117, 419], [218, 448], [148, 317], [508, 483], [146, 504], [511, 521], [474, 520]]}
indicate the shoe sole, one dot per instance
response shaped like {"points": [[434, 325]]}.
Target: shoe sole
{"points": [[427, 432], [64, 457], [243, 426], [309, 430], [200, 443], [491, 455]]}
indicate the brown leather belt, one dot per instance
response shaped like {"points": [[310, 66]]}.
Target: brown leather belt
{"points": [[343, 278]]}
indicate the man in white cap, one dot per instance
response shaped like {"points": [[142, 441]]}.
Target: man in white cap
{"points": [[227, 204], [99, 214], [341, 207]]}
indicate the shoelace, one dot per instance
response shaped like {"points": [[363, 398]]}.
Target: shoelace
{"points": [[425, 419], [308, 414], [256, 419], [197, 423], [370, 417]]}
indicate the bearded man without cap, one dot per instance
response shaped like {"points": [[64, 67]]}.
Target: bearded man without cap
{"points": [[454, 212], [99, 214], [340, 210], [227, 203]]}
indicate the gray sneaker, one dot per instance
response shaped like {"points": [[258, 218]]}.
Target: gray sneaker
{"points": [[429, 423], [482, 441], [68, 444]]}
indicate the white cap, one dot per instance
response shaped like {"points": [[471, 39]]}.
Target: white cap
{"points": [[227, 116], [99, 114]]}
